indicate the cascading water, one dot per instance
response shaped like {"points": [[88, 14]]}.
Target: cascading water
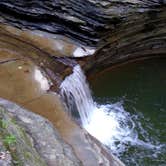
{"points": [[75, 91], [109, 123]]}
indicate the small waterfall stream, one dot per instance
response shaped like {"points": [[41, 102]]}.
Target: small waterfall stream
{"points": [[104, 122], [76, 93], [109, 123]]}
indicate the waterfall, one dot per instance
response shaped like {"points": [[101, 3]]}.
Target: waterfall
{"points": [[109, 123], [76, 93], [98, 120]]}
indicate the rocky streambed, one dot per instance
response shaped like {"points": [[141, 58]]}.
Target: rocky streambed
{"points": [[40, 43]]}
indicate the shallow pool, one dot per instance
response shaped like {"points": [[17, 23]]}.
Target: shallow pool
{"points": [[135, 96]]}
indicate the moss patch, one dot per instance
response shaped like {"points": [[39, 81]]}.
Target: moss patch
{"points": [[18, 142]]}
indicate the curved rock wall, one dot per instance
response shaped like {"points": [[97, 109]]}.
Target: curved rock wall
{"points": [[137, 38], [120, 30], [87, 21]]}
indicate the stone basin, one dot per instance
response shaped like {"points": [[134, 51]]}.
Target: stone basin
{"points": [[34, 61]]}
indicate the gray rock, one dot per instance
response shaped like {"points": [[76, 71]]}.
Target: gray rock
{"points": [[37, 142], [5, 157]]}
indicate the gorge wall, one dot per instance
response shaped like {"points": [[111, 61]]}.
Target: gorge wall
{"points": [[118, 31], [89, 22]]}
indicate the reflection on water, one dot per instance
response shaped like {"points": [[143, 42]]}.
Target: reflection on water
{"points": [[134, 127]]}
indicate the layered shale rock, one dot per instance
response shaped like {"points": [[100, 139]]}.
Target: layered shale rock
{"points": [[87, 21], [139, 37], [120, 30]]}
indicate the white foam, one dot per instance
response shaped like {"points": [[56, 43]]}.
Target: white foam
{"points": [[80, 52], [109, 123]]}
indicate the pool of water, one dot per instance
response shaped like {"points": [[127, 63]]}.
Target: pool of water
{"points": [[134, 95]]}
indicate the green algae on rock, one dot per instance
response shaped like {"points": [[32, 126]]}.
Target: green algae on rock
{"points": [[33, 146]]}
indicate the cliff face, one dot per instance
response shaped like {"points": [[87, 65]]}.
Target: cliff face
{"points": [[87, 21], [120, 30], [140, 36]]}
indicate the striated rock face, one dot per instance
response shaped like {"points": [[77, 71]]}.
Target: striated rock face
{"points": [[139, 37], [87, 21], [120, 30], [32, 140]]}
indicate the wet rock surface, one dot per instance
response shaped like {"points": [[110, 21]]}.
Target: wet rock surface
{"points": [[36, 141], [119, 30], [50, 44], [16, 45]]}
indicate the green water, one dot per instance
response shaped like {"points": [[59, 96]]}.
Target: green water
{"points": [[141, 87]]}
